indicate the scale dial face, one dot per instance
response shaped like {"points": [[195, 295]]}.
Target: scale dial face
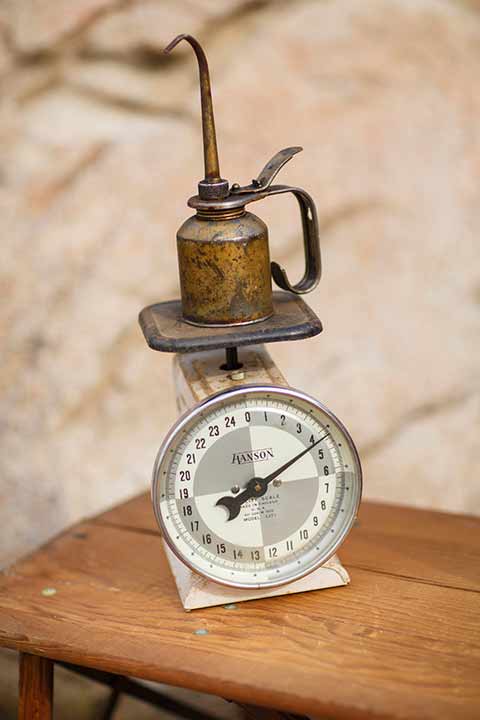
{"points": [[256, 486]]}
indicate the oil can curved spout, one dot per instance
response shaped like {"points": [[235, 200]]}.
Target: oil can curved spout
{"points": [[210, 152]]}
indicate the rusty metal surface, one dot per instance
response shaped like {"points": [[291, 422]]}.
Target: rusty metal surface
{"points": [[164, 329], [224, 270]]}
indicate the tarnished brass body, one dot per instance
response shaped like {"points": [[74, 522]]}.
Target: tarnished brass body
{"points": [[224, 267]]}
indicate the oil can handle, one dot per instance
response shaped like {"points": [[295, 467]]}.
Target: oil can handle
{"points": [[311, 243], [261, 188]]}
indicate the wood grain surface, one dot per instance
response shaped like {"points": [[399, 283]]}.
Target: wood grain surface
{"points": [[35, 688], [402, 641]]}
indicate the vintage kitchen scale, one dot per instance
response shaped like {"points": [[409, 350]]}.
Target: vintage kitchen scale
{"points": [[257, 484]]}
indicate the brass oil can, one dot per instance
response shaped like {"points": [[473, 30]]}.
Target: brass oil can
{"points": [[223, 250]]}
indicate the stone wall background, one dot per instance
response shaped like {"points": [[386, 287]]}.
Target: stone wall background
{"points": [[100, 147]]}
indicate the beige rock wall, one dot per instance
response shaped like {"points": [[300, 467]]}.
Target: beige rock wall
{"points": [[100, 148]]}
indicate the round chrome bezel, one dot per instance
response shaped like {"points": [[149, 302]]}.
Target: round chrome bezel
{"points": [[224, 396]]}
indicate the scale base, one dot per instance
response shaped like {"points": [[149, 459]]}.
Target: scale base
{"points": [[197, 592]]}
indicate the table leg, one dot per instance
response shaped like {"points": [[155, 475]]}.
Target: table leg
{"points": [[35, 688]]}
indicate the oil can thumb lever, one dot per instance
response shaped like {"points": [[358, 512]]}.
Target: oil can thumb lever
{"points": [[265, 177]]}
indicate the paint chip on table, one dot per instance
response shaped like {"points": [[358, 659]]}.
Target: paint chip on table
{"points": [[49, 592]]}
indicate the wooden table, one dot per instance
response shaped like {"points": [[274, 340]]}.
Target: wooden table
{"points": [[402, 641]]}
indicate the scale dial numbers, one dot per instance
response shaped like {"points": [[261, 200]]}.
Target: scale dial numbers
{"points": [[256, 486]]}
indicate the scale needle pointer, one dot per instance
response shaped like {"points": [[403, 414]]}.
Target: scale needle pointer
{"points": [[256, 487]]}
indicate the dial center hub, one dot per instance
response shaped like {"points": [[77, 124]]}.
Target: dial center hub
{"points": [[259, 486]]}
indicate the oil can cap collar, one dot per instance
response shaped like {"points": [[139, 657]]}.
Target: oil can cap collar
{"points": [[213, 189]]}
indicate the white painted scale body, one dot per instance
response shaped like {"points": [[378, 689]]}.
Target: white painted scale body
{"points": [[256, 486]]}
